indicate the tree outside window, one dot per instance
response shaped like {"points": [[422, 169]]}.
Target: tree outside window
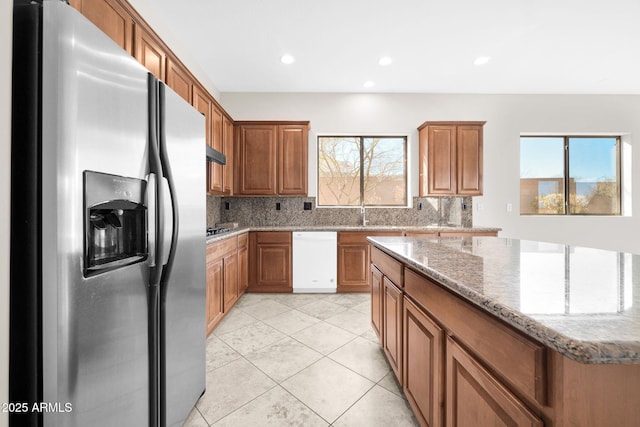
{"points": [[362, 170]]}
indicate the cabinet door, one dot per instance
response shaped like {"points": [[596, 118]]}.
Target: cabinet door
{"points": [[150, 52], [256, 160], [214, 293], [392, 327], [273, 265], [469, 156], [270, 261], [292, 160], [353, 265], [179, 80], [441, 154], [423, 367], [230, 280], [377, 290], [111, 18], [243, 269], [227, 137], [215, 176], [202, 103], [477, 398]]}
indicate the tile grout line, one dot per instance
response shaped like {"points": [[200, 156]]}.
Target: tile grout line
{"points": [[327, 356]]}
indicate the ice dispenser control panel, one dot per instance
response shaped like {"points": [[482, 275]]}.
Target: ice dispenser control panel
{"points": [[115, 219]]}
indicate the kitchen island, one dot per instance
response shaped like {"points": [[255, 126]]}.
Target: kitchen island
{"points": [[493, 331]]}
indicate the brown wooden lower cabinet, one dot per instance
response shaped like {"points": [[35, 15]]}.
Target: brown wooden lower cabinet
{"points": [[224, 277], [270, 261], [214, 293], [392, 324], [230, 266], [462, 366], [377, 295], [243, 263], [423, 365], [354, 259], [477, 398]]}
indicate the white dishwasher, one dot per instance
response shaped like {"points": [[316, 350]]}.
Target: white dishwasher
{"points": [[315, 261]]}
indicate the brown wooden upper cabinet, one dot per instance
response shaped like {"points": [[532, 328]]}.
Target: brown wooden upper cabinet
{"points": [[451, 158], [227, 145], [179, 80], [150, 52], [111, 17], [216, 171], [271, 158], [202, 102]]}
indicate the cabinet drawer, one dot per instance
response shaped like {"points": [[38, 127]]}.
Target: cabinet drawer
{"points": [[243, 240], [273, 236], [389, 266], [360, 237], [518, 360], [222, 247]]}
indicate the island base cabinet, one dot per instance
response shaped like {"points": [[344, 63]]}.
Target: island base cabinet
{"points": [[594, 395], [392, 325], [377, 289], [423, 382], [476, 398]]}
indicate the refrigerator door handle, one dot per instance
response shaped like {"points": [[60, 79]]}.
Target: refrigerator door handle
{"points": [[167, 174], [167, 224], [150, 202], [155, 167]]}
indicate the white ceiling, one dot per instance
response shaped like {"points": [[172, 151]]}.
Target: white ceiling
{"points": [[536, 46]]}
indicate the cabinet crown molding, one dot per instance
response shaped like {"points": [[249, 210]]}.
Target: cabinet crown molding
{"points": [[451, 123]]}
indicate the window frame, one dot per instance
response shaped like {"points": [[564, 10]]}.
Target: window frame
{"points": [[567, 173], [361, 138]]}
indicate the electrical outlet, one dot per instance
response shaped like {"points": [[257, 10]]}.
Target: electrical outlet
{"points": [[419, 206], [307, 206], [509, 207], [277, 206], [227, 206]]}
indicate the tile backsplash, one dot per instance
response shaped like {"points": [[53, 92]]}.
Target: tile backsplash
{"points": [[262, 211]]}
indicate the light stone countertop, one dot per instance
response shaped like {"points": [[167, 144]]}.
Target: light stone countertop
{"points": [[399, 228], [582, 302]]}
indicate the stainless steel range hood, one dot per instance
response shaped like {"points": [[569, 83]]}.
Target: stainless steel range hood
{"points": [[216, 156]]}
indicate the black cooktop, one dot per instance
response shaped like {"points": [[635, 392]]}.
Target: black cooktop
{"points": [[211, 231]]}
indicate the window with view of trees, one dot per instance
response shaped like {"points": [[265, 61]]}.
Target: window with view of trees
{"points": [[362, 170], [570, 175]]}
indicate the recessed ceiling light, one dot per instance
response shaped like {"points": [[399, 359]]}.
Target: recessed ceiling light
{"points": [[368, 84], [481, 60], [287, 59], [385, 60]]}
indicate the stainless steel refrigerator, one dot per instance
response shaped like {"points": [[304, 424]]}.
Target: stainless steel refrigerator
{"points": [[107, 310]]}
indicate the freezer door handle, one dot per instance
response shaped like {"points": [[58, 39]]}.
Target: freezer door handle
{"points": [[155, 168], [166, 223]]}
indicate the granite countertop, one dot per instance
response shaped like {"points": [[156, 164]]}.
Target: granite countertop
{"points": [[582, 302], [399, 228]]}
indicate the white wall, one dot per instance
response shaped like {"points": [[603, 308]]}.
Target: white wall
{"points": [[6, 11], [507, 116]]}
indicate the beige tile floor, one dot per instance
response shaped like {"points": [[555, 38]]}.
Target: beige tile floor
{"points": [[299, 360]]}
